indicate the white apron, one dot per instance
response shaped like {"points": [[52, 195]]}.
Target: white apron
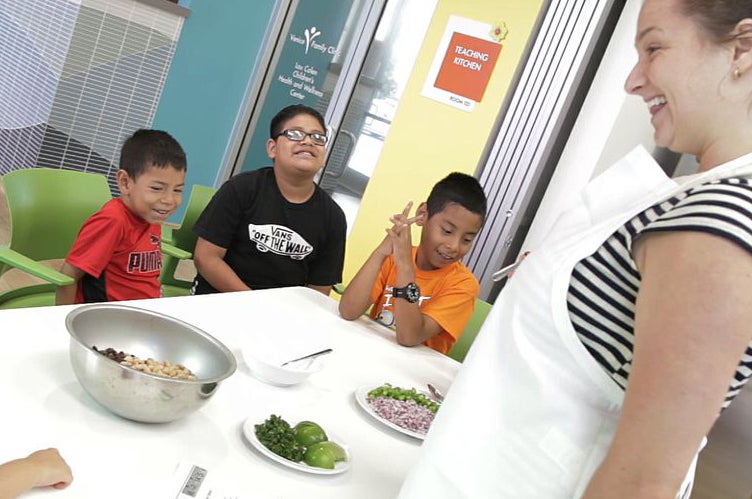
{"points": [[531, 413]]}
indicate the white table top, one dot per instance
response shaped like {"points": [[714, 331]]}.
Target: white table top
{"points": [[45, 406]]}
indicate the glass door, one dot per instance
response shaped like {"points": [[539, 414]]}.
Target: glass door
{"points": [[319, 45], [350, 60], [370, 109]]}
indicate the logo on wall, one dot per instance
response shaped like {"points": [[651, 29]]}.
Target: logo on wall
{"points": [[310, 34], [308, 40]]}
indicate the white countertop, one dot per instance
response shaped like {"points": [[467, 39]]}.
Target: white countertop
{"points": [[45, 406]]}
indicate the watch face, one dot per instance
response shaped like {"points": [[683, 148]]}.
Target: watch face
{"points": [[412, 292]]}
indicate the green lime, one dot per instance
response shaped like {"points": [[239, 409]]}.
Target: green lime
{"points": [[319, 456], [309, 433], [337, 450], [307, 423]]}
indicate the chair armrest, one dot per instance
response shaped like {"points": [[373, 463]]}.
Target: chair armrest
{"points": [[174, 251], [167, 233], [21, 262]]}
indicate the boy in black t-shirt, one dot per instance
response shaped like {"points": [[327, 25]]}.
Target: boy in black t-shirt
{"points": [[274, 227]]}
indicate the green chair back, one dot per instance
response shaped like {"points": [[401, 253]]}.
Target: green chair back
{"points": [[460, 348], [47, 208], [184, 238]]}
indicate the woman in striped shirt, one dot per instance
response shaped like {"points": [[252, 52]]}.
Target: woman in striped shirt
{"points": [[609, 355], [665, 305]]}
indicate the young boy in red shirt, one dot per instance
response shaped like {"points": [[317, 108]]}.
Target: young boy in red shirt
{"points": [[424, 291], [117, 253]]}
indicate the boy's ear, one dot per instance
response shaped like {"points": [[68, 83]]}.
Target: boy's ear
{"points": [[271, 148], [123, 181], [422, 214], [742, 43]]}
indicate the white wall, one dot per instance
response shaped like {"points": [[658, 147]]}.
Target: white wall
{"points": [[609, 125]]}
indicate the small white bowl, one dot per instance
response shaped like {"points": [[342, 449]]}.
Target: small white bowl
{"points": [[270, 371]]}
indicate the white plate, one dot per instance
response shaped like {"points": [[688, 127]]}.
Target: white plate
{"points": [[361, 395], [249, 431]]}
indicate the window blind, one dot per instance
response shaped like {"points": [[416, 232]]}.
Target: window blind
{"points": [[91, 72]]}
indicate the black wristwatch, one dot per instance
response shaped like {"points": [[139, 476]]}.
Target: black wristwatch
{"points": [[411, 292]]}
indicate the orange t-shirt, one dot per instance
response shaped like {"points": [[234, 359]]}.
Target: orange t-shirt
{"points": [[447, 295]]}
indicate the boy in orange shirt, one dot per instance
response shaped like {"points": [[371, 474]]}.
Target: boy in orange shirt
{"points": [[424, 291]]}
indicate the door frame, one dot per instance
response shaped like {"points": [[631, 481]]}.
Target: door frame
{"points": [[283, 13]]}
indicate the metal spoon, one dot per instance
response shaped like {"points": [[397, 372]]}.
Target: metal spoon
{"points": [[504, 272], [436, 393], [309, 356]]}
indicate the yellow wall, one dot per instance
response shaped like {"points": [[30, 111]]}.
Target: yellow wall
{"points": [[428, 139]]}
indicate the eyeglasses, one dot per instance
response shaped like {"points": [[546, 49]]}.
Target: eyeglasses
{"points": [[296, 135]]}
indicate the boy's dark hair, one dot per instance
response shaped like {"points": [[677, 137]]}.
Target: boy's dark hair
{"points": [[289, 112], [459, 188], [147, 148]]}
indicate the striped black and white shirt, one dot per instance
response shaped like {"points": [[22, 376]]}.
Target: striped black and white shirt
{"points": [[603, 287]]}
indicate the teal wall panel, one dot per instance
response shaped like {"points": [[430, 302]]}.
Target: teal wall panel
{"points": [[214, 62]]}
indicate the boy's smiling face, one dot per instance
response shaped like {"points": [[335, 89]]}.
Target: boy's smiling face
{"points": [[155, 194], [447, 236], [299, 158]]}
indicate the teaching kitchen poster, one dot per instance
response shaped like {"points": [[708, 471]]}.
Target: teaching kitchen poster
{"points": [[464, 62], [310, 52]]}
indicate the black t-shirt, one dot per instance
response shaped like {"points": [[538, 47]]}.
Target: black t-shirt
{"points": [[271, 242]]}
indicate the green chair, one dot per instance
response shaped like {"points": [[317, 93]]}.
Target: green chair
{"points": [[459, 350], [47, 208], [183, 238]]}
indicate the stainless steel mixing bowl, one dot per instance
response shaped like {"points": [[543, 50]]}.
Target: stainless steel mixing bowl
{"points": [[134, 394]]}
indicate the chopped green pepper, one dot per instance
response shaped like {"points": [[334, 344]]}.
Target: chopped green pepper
{"points": [[397, 393]]}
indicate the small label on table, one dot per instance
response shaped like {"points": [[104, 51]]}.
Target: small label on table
{"points": [[193, 483]]}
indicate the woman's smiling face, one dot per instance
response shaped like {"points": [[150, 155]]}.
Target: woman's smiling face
{"points": [[679, 75]]}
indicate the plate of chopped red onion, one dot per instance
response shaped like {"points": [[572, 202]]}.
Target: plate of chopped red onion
{"points": [[407, 410]]}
